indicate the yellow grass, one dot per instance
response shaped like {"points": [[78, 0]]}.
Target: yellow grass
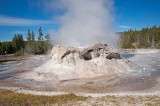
{"points": [[10, 98]]}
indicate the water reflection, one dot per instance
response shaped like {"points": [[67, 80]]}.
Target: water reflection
{"points": [[6, 77], [127, 55], [5, 69]]}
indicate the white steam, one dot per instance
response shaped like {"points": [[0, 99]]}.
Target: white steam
{"points": [[86, 22]]}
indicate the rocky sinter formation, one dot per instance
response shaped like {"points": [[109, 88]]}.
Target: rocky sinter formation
{"points": [[74, 56], [73, 63]]}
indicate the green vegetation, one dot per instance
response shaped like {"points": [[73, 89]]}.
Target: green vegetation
{"points": [[144, 38], [9, 98], [19, 46]]}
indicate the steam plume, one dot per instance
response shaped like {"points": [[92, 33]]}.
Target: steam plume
{"points": [[86, 22]]}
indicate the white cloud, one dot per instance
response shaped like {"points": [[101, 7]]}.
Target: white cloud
{"points": [[18, 32], [14, 21], [123, 26]]}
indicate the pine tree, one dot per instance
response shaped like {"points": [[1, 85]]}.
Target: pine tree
{"points": [[40, 37], [32, 37], [29, 36], [33, 46], [40, 45], [14, 41], [18, 43], [30, 47]]}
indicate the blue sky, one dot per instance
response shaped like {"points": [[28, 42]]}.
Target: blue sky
{"points": [[17, 16], [136, 14]]}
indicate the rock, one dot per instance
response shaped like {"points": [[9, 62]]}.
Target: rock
{"points": [[62, 54], [58, 53], [113, 55]]}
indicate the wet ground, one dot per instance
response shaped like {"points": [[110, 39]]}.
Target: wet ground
{"points": [[11, 70], [146, 78]]}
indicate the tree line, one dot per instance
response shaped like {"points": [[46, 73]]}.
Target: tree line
{"points": [[19, 46], [144, 38]]}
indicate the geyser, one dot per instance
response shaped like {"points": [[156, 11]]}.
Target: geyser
{"points": [[85, 22]]}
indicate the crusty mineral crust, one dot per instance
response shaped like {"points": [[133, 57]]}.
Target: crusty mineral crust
{"points": [[63, 54]]}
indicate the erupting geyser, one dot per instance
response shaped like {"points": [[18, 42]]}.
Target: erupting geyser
{"points": [[85, 23], [68, 63]]}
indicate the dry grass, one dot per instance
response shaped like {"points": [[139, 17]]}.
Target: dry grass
{"points": [[10, 98]]}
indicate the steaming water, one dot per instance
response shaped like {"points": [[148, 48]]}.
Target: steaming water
{"points": [[127, 55], [149, 62], [144, 60]]}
